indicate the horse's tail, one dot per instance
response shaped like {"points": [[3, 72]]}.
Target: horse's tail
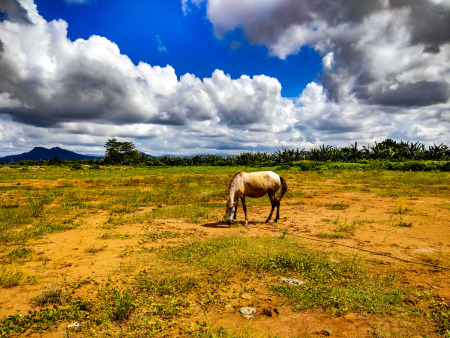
{"points": [[283, 188]]}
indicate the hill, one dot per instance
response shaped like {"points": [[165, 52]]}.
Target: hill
{"points": [[41, 153]]}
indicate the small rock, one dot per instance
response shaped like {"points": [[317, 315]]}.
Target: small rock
{"points": [[246, 296], [248, 312], [74, 324], [293, 281]]}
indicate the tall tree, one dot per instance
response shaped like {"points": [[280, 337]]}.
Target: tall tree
{"points": [[121, 152]]}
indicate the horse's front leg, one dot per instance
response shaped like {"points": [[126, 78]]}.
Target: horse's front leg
{"points": [[235, 209], [273, 202], [244, 206]]}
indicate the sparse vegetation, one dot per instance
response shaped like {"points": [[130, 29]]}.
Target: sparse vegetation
{"points": [[338, 206], [166, 279], [404, 224], [330, 235], [11, 276], [50, 295], [93, 249], [118, 305]]}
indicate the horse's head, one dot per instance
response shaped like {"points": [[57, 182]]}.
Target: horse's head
{"points": [[230, 211]]}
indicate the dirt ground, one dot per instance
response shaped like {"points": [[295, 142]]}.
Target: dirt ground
{"points": [[368, 222]]}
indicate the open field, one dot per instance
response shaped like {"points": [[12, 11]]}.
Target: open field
{"points": [[143, 251]]}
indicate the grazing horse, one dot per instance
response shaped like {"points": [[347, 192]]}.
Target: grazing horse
{"points": [[254, 185]]}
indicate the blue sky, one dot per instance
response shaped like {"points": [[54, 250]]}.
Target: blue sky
{"points": [[222, 76], [159, 33]]}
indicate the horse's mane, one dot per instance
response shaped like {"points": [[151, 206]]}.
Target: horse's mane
{"points": [[231, 181]]}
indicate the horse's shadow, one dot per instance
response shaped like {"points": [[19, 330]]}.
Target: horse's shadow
{"points": [[220, 225], [215, 225]]}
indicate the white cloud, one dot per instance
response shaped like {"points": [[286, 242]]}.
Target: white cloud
{"points": [[372, 43], [160, 46], [79, 2], [378, 69], [87, 87]]}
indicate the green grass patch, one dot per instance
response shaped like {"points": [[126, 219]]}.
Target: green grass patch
{"points": [[336, 283], [404, 224], [119, 305], [50, 295], [11, 276], [330, 236], [93, 249], [338, 206], [43, 320], [155, 235], [17, 254]]}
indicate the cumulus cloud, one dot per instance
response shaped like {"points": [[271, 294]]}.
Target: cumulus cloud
{"points": [[46, 79], [376, 51], [385, 74], [15, 11], [89, 87]]}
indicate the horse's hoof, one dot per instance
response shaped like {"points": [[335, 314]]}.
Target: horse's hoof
{"points": [[267, 220], [275, 220], [246, 223]]}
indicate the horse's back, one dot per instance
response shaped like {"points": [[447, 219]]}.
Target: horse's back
{"points": [[259, 183], [267, 176]]}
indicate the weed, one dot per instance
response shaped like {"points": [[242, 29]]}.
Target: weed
{"points": [[357, 222], [445, 205], [168, 286], [343, 226], [338, 206], [36, 208], [430, 260], [170, 306], [404, 224], [17, 254], [400, 209], [439, 312], [331, 236], [197, 214], [49, 228], [11, 276], [155, 235], [119, 306], [207, 330], [50, 295], [114, 235], [92, 249], [45, 319]]}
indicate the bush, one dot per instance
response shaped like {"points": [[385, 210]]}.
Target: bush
{"points": [[77, 166]]}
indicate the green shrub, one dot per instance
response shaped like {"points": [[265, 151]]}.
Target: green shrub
{"points": [[77, 166]]}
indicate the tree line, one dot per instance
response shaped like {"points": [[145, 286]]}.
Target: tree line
{"points": [[388, 150]]}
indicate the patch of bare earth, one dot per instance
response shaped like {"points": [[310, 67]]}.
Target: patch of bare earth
{"points": [[367, 222]]}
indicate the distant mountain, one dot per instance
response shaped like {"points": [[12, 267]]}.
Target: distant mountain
{"points": [[41, 153]]}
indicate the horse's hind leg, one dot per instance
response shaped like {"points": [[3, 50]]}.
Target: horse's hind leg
{"points": [[277, 202], [273, 202]]}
